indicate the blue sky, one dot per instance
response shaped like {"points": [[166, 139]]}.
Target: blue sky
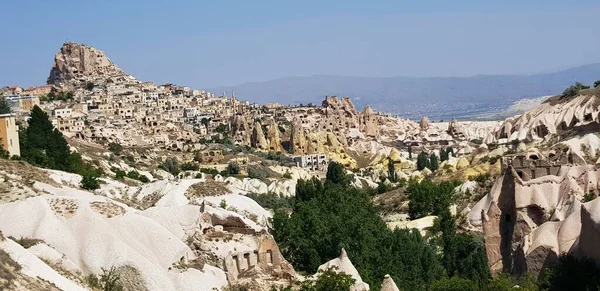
{"points": [[212, 43]]}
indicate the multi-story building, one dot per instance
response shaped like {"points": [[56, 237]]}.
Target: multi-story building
{"points": [[314, 162], [9, 133]]}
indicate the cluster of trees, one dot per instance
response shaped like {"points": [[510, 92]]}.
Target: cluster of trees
{"points": [[133, 174], [424, 160], [333, 215], [44, 146], [258, 172], [55, 95], [574, 89], [446, 153], [272, 200]]}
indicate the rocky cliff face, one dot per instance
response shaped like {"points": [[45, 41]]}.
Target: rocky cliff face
{"points": [[581, 113], [76, 64], [534, 213]]}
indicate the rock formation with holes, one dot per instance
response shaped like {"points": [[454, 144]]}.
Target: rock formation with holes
{"points": [[534, 212], [580, 114], [77, 64]]}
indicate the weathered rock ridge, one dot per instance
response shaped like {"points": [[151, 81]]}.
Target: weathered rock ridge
{"points": [[76, 64]]}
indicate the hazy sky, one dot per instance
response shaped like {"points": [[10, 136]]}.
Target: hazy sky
{"points": [[211, 43]]}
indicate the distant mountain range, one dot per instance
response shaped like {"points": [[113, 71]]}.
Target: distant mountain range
{"points": [[436, 97]]}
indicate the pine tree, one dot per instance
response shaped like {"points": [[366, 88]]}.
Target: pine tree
{"points": [[423, 161], [391, 171], [336, 173], [4, 106], [443, 155], [43, 145], [433, 163]]}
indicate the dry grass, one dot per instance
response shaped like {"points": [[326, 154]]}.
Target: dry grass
{"points": [[64, 207], [11, 277], [27, 172], [107, 209], [207, 188], [149, 200], [391, 202], [8, 270], [27, 242]]}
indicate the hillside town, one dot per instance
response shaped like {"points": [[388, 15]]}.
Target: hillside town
{"points": [[167, 187]]}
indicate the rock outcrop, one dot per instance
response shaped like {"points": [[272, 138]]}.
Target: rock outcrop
{"points": [[258, 139], [298, 142], [368, 122], [389, 284], [424, 123], [274, 136], [344, 265], [76, 64], [581, 114], [241, 130], [533, 214]]}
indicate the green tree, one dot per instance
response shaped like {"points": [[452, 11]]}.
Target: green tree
{"points": [[444, 154], [90, 182], [45, 146], [331, 216], [171, 165], [189, 166], [233, 168], [392, 171], [115, 148], [329, 280], [454, 284], [257, 172], [429, 198], [119, 174], [336, 173], [450, 151], [597, 83], [572, 273], [205, 121], [433, 163], [574, 89], [423, 161], [4, 106], [222, 129]]}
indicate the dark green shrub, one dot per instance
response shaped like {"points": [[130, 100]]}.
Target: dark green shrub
{"points": [[115, 148], [257, 172], [171, 165], [189, 166], [233, 168], [90, 182]]}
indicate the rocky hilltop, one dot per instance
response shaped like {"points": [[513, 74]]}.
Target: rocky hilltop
{"points": [[544, 203], [76, 64], [559, 114]]}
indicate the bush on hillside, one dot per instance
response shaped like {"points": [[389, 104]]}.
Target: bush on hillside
{"points": [[257, 172], [233, 168], [574, 89], [90, 182], [171, 165], [115, 148], [189, 166]]}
